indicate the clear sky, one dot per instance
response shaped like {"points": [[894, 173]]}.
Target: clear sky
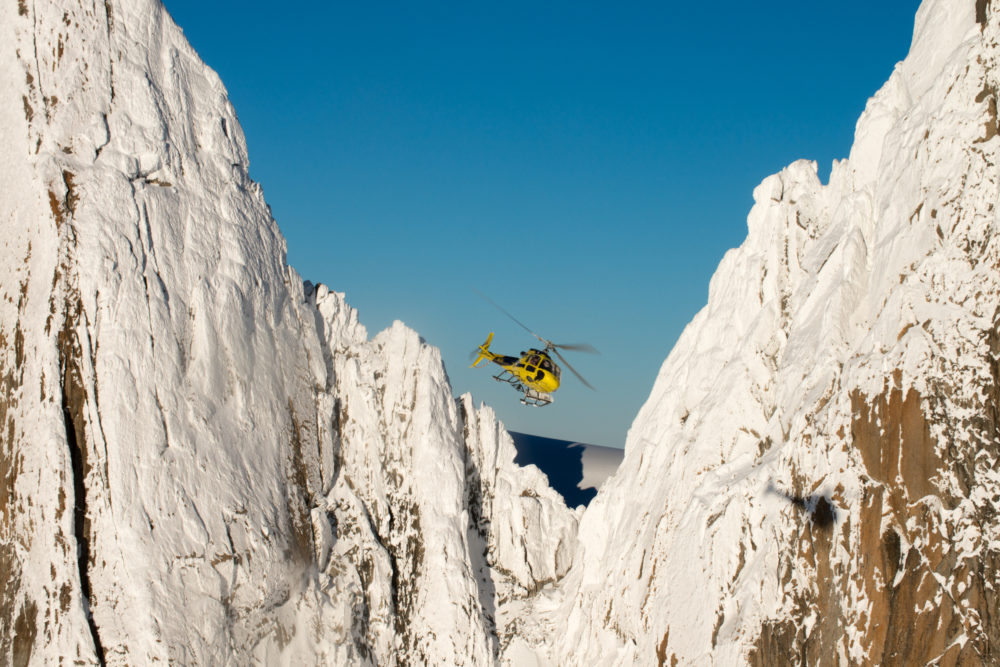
{"points": [[585, 164]]}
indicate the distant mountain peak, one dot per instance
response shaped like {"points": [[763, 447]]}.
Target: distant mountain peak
{"points": [[576, 470]]}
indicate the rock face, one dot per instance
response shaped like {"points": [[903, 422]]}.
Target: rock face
{"points": [[205, 460], [202, 460], [426, 529], [814, 478]]}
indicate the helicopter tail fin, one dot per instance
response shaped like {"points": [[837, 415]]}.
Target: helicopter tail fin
{"points": [[483, 351]]}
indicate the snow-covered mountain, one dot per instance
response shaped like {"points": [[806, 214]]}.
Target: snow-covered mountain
{"points": [[814, 477], [204, 459], [575, 469]]}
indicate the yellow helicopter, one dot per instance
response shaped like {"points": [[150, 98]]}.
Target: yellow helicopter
{"points": [[533, 373]]}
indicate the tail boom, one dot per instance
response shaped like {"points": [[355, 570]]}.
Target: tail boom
{"points": [[483, 351]]}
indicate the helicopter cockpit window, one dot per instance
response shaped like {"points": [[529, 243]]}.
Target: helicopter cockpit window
{"points": [[547, 364], [533, 361]]}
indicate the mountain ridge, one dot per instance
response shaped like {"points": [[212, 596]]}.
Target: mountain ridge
{"points": [[190, 431], [818, 435]]}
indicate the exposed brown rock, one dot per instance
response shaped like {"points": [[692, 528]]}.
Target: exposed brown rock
{"points": [[297, 493], [924, 601], [776, 645], [74, 399], [893, 437], [914, 618], [25, 629]]}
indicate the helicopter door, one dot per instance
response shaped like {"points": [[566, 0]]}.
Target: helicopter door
{"points": [[542, 364], [545, 366]]}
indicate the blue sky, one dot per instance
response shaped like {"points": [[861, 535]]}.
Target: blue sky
{"points": [[585, 164]]}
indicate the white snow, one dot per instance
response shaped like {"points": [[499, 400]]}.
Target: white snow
{"points": [[260, 481], [887, 269]]}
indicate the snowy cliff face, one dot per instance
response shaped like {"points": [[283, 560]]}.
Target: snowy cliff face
{"points": [[201, 460], [427, 531], [814, 478], [205, 460]]}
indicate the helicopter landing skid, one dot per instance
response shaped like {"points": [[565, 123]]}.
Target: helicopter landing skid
{"points": [[535, 398], [529, 396]]}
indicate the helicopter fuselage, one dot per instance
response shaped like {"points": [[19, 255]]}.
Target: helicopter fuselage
{"points": [[534, 369], [533, 373]]}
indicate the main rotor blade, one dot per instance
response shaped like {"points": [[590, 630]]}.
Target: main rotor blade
{"points": [[573, 370], [577, 347], [497, 306]]}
